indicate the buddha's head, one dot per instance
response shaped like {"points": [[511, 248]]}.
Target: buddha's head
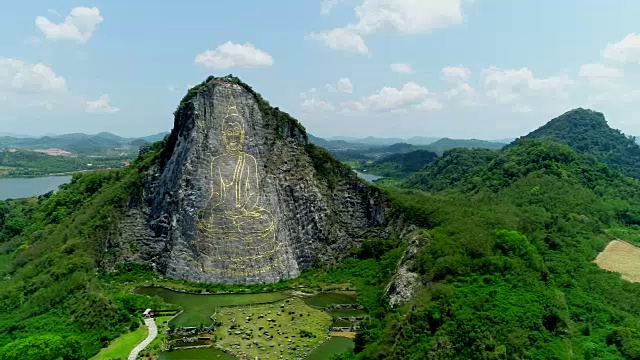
{"points": [[233, 134]]}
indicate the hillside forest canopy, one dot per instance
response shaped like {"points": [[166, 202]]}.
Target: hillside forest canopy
{"points": [[506, 241]]}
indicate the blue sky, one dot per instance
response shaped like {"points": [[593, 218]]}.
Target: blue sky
{"points": [[486, 69]]}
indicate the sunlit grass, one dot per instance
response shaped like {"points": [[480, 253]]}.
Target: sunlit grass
{"points": [[122, 346]]}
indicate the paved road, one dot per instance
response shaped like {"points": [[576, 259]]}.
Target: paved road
{"points": [[153, 332]]}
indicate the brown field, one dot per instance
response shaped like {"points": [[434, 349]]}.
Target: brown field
{"points": [[350, 335], [621, 257]]}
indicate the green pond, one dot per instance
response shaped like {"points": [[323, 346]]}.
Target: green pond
{"points": [[329, 298], [333, 346], [348, 313], [197, 308], [196, 354]]}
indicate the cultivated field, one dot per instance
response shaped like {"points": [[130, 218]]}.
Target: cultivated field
{"points": [[621, 257]]}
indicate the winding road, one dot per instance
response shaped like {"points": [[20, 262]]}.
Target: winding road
{"points": [[153, 332]]}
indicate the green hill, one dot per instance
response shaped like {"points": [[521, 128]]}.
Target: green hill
{"points": [[508, 271], [587, 132], [62, 298], [401, 164], [502, 258], [445, 144], [450, 168]]}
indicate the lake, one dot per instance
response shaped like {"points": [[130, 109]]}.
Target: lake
{"points": [[198, 308], [368, 177], [16, 188]]}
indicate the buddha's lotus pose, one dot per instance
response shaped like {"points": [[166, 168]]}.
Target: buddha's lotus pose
{"points": [[234, 229]]}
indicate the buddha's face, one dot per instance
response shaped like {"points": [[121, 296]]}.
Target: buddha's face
{"points": [[233, 137]]}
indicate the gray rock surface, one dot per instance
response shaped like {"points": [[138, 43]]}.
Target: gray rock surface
{"points": [[406, 282], [242, 197]]}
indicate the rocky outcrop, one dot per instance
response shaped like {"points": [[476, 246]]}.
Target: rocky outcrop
{"points": [[406, 281], [240, 196]]}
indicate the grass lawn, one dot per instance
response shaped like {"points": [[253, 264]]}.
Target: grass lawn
{"points": [[289, 328], [197, 308], [122, 346]]}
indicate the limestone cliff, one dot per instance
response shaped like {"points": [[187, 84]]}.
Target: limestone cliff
{"points": [[241, 196]]}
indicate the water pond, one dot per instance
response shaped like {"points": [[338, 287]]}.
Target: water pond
{"points": [[196, 354], [329, 298], [347, 313], [368, 177], [16, 188], [197, 308], [333, 346]]}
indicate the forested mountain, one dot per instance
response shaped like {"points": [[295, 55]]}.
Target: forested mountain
{"points": [[508, 271], [66, 259], [401, 164], [445, 144], [587, 132], [450, 168], [494, 247], [79, 143]]}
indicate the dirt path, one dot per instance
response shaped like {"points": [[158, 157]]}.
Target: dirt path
{"points": [[153, 332], [621, 257]]}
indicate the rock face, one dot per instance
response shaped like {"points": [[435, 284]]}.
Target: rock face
{"points": [[242, 197], [405, 282]]}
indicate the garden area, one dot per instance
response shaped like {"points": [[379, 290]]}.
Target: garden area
{"points": [[293, 325]]}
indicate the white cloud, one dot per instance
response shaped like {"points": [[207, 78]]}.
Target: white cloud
{"points": [[410, 96], [230, 55], [308, 94], [465, 94], [407, 16], [401, 68], [456, 74], [328, 5], [330, 88], [626, 50], [428, 105], [517, 86], [457, 77], [598, 71], [342, 39], [345, 85], [79, 25], [100, 106], [314, 105], [599, 74], [16, 76], [401, 16]]}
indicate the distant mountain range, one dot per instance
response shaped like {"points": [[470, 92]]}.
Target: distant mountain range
{"points": [[415, 140], [370, 140], [80, 143], [373, 148]]}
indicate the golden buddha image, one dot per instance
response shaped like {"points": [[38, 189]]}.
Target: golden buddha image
{"points": [[235, 231]]}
